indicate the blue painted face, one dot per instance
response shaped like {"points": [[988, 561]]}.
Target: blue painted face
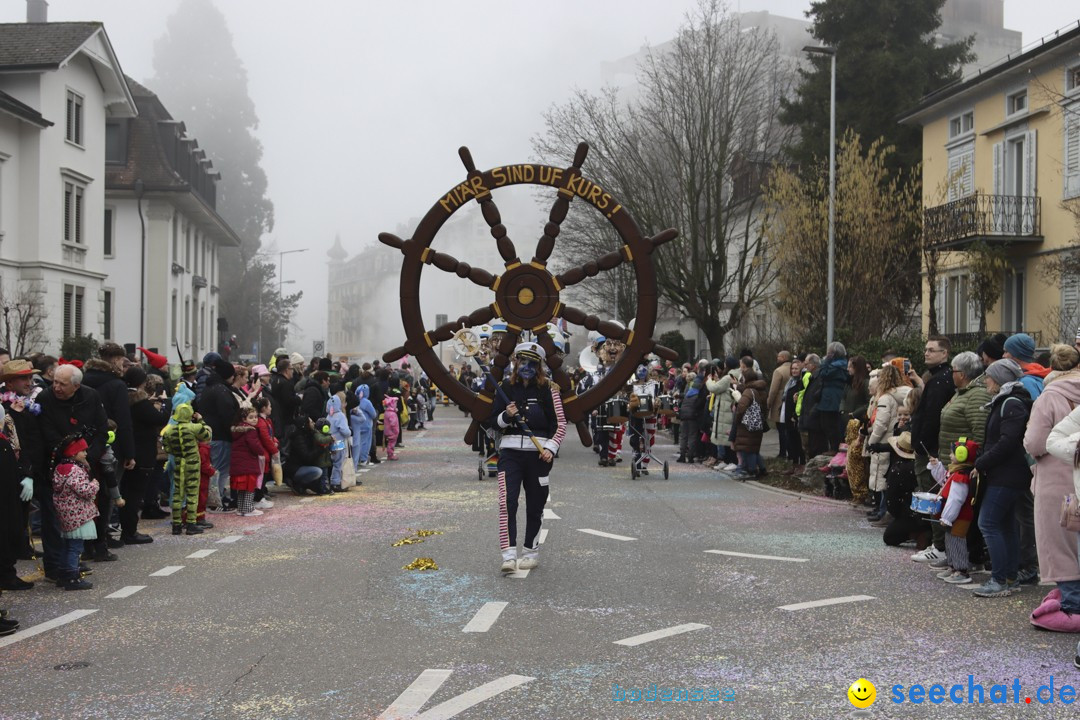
{"points": [[527, 369]]}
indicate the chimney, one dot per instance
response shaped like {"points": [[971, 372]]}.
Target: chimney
{"points": [[37, 11]]}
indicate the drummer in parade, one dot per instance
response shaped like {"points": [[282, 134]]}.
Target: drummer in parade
{"points": [[644, 397]]}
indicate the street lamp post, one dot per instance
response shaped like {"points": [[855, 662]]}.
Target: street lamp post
{"points": [[281, 255], [831, 312]]}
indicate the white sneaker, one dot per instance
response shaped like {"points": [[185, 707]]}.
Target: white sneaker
{"points": [[508, 566], [264, 504], [528, 562], [253, 513], [731, 467], [930, 553]]}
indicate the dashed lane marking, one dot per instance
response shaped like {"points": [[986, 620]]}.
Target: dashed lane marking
{"points": [[167, 570], [464, 701], [45, 627], [419, 692], [660, 634], [229, 539], [600, 533], [549, 514], [125, 592], [543, 535], [756, 557], [202, 553], [828, 601], [485, 617]]}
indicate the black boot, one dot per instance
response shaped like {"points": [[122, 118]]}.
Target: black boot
{"points": [[177, 528], [193, 529]]}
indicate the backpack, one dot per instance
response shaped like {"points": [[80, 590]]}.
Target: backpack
{"points": [[752, 419]]}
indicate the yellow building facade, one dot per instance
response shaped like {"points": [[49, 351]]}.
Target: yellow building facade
{"points": [[1001, 167]]}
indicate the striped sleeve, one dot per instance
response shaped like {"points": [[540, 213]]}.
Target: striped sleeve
{"points": [[560, 429]]}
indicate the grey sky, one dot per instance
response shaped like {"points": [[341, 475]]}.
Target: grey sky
{"points": [[364, 105]]}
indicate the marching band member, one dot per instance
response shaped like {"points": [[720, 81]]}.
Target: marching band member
{"points": [[642, 421], [527, 395]]}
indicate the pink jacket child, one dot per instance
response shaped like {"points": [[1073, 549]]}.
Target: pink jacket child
{"points": [[74, 491], [391, 425]]}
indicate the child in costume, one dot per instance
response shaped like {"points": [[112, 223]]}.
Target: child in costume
{"points": [[340, 432], [391, 424], [181, 441], [323, 441], [265, 426], [957, 514], [74, 495], [362, 421]]}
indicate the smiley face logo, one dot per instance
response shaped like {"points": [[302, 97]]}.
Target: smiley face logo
{"points": [[862, 693]]}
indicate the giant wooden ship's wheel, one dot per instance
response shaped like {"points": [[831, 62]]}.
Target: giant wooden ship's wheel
{"points": [[526, 293]]}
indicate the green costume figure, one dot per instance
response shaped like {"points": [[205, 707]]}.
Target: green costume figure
{"points": [[182, 442]]}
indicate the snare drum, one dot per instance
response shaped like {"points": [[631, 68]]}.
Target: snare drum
{"points": [[925, 503], [617, 411], [666, 405], [646, 406]]}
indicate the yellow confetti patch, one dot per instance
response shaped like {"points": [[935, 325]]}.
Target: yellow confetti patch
{"points": [[407, 541], [421, 564], [427, 533]]}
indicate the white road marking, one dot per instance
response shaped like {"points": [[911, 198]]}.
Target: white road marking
{"points": [[253, 528], [660, 634], [829, 601], [464, 701], [202, 553], [600, 533], [307, 499], [293, 507], [45, 627], [419, 692], [125, 592], [229, 539], [757, 557], [167, 570], [550, 515], [543, 535], [519, 574], [485, 617], [548, 501]]}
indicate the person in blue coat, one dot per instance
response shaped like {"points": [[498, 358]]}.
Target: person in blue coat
{"points": [[834, 382], [362, 422], [340, 432]]}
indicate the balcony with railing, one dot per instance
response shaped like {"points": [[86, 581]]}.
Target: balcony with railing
{"points": [[994, 219]]}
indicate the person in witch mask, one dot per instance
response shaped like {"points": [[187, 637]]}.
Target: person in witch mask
{"points": [[528, 403]]}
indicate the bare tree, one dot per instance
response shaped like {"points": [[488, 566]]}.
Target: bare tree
{"points": [[692, 151], [24, 319]]}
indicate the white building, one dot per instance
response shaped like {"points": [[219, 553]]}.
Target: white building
{"points": [[59, 85], [160, 214]]}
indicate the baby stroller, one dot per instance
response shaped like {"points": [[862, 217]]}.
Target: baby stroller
{"points": [[836, 479]]}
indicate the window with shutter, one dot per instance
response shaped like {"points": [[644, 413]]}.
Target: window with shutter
{"points": [[78, 313], [68, 308], [78, 215], [1072, 150], [69, 192], [107, 301], [961, 171], [107, 241], [1070, 307]]}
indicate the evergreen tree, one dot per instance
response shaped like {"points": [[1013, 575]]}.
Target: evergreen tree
{"points": [[886, 61], [202, 81]]}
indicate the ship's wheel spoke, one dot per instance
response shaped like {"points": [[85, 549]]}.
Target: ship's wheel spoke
{"points": [[591, 322], [491, 213], [444, 262], [546, 244], [503, 353], [611, 260]]}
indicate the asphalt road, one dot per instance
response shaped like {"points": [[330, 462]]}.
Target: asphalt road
{"points": [[306, 612]]}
